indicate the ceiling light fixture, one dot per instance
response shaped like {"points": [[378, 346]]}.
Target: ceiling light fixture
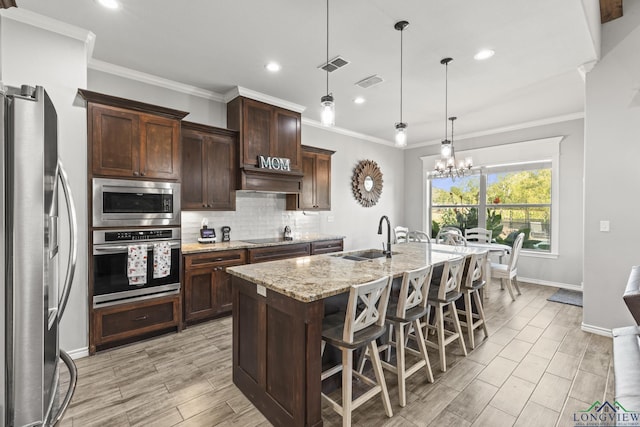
{"points": [[401, 127], [273, 67], [328, 116], [359, 100], [484, 54], [110, 4], [447, 167]]}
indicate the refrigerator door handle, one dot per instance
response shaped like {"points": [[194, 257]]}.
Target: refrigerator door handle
{"points": [[73, 380], [73, 241]]}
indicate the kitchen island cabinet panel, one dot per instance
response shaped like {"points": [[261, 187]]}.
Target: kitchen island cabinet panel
{"points": [[282, 338]]}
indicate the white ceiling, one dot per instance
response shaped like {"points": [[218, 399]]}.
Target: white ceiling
{"points": [[216, 45]]}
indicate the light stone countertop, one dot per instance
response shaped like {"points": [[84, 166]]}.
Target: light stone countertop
{"points": [[196, 247], [316, 277]]}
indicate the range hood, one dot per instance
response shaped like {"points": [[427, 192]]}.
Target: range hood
{"points": [[269, 180]]}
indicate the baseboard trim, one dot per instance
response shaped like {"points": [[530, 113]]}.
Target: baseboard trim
{"points": [[79, 353], [596, 330], [568, 286]]}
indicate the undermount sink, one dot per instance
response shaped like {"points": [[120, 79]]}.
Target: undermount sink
{"points": [[363, 255]]}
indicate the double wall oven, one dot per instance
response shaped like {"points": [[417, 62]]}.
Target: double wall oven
{"points": [[139, 214]]}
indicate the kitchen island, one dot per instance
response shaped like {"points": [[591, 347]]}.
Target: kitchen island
{"points": [[277, 323]]}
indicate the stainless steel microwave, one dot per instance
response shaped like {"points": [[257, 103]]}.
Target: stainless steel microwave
{"points": [[128, 203]]}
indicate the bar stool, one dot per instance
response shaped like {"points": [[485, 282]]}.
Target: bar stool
{"points": [[446, 296], [409, 309], [474, 280], [363, 323]]}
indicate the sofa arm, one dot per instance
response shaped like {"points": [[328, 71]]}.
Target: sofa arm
{"points": [[626, 359]]}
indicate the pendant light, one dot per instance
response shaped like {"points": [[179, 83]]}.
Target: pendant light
{"points": [[447, 167], [328, 116], [401, 127]]}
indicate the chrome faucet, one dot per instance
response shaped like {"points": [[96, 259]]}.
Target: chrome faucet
{"points": [[386, 251]]}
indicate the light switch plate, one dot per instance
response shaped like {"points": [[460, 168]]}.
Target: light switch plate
{"points": [[604, 226], [261, 290], [330, 218]]}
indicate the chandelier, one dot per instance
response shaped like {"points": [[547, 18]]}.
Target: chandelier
{"points": [[448, 166]]}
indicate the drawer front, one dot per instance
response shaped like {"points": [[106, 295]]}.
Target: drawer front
{"points": [[326, 247], [273, 253], [215, 259], [128, 320]]}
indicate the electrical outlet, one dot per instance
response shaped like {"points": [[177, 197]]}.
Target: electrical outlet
{"points": [[330, 218], [604, 226]]}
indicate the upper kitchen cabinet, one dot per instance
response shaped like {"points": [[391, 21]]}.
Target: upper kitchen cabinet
{"points": [[130, 139], [273, 133], [315, 194], [209, 167]]}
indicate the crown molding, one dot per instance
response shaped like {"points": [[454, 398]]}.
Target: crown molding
{"points": [[347, 132], [53, 25], [128, 73], [259, 96], [510, 128]]}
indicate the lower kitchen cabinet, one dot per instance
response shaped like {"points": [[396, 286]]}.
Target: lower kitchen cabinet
{"points": [[207, 286], [126, 322], [327, 246], [273, 253]]}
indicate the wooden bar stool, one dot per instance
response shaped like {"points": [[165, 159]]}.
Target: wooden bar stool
{"points": [[446, 296], [410, 308], [362, 324], [474, 279]]}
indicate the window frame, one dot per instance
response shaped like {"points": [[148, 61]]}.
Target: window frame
{"points": [[497, 157]]}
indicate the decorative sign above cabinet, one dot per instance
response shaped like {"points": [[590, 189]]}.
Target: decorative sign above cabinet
{"points": [[275, 163], [367, 183]]}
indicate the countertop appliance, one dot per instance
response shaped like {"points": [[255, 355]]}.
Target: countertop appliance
{"points": [[31, 301], [126, 203], [110, 254]]}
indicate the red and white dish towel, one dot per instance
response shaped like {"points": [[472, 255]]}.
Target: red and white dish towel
{"points": [[161, 259], [137, 264]]}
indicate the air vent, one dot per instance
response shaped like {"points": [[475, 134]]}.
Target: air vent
{"points": [[334, 64], [370, 81]]}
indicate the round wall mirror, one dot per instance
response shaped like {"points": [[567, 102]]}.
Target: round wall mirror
{"points": [[367, 183]]}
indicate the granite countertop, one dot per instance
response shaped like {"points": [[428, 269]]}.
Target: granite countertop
{"points": [[196, 247], [316, 277]]}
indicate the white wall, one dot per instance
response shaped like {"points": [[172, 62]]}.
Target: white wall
{"points": [[612, 175], [566, 269], [35, 56]]}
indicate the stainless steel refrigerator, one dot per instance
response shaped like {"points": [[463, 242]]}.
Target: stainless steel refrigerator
{"points": [[31, 299]]}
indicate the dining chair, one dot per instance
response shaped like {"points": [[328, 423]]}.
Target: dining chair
{"points": [[441, 297], [507, 273], [473, 280], [478, 234], [362, 324], [451, 237], [401, 234], [403, 314], [419, 236]]}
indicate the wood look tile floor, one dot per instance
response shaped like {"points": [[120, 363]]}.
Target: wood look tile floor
{"points": [[536, 368]]}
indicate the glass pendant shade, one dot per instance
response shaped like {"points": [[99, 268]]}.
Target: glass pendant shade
{"points": [[401, 134], [445, 149], [328, 116]]}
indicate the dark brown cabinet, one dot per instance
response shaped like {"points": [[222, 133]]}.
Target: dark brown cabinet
{"points": [[121, 323], [270, 131], [207, 286], [208, 167], [327, 246], [315, 194], [273, 253], [130, 139]]}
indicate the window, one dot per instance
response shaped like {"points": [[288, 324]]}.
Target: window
{"points": [[506, 199]]}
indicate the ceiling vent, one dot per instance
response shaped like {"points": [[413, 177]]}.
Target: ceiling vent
{"points": [[334, 64], [370, 81]]}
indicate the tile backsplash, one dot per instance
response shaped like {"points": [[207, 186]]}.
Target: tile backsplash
{"points": [[257, 215]]}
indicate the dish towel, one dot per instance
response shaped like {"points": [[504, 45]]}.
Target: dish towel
{"points": [[161, 259], [137, 264]]}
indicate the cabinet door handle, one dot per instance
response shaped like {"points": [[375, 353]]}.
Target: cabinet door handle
{"points": [[136, 173], [137, 319], [204, 206], [142, 173]]}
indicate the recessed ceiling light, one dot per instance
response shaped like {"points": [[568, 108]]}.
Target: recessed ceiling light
{"points": [[273, 67], [110, 4], [484, 54], [358, 100]]}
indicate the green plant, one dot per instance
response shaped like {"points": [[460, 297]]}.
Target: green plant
{"points": [[435, 228]]}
